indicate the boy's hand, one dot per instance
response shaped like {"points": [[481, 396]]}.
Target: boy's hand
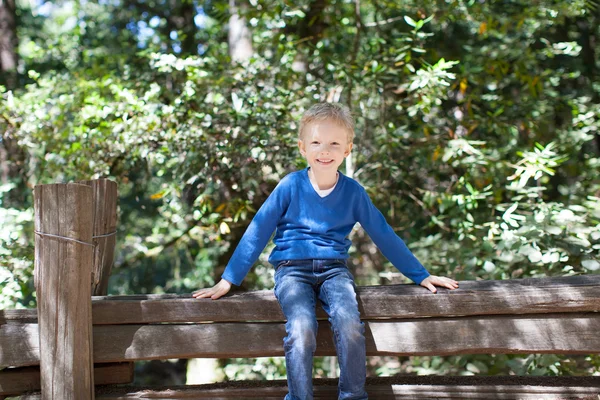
{"points": [[220, 289], [432, 280]]}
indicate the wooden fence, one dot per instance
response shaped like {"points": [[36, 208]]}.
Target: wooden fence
{"points": [[75, 342]]}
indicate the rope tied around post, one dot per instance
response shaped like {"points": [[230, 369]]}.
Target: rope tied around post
{"points": [[75, 240]]}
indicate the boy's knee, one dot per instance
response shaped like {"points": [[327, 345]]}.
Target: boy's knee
{"points": [[348, 325], [302, 331]]}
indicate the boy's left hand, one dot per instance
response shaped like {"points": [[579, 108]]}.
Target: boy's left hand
{"points": [[432, 280]]}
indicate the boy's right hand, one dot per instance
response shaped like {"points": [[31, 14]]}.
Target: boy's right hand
{"points": [[220, 289]]}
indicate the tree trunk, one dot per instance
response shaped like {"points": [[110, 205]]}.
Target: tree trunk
{"points": [[188, 29], [13, 166], [239, 36], [181, 19], [309, 31], [8, 44], [588, 42]]}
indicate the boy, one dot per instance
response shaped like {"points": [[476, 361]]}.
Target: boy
{"points": [[312, 212]]}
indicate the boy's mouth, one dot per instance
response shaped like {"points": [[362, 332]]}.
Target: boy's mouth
{"points": [[324, 161]]}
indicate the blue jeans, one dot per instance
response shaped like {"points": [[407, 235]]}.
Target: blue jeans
{"points": [[298, 283]]}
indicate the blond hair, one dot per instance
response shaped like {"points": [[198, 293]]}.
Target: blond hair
{"points": [[336, 112]]}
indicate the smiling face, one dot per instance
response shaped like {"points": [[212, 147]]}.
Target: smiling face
{"points": [[324, 144]]}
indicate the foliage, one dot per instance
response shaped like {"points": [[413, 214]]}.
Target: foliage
{"points": [[477, 136], [16, 255]]}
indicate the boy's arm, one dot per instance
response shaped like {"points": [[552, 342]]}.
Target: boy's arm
{"points": [[390, 244], [252, 243], [257, 234]]}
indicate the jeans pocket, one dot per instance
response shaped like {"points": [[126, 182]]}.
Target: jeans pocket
{"points": [[282, 264]]}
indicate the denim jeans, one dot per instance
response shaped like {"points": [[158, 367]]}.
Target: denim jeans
{"points": [[298, 283]]}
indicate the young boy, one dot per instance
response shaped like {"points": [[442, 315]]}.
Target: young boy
{"points": [[312, 212]]}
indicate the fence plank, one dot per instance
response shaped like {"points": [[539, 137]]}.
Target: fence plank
{"points": [[22, 316], [518, 296], [469, 335], [62, 280], [388, 388], [385, 392], [14, 381], [575, 333]]}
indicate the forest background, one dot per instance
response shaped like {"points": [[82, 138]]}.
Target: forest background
{"points": [[477, 137]]}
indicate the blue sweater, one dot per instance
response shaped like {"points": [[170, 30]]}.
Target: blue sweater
{"points": [[308, 226]]}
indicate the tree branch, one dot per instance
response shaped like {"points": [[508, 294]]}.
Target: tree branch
{"points": [[384, 22]]}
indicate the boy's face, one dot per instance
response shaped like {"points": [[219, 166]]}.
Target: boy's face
{"points": [[324, 145]]}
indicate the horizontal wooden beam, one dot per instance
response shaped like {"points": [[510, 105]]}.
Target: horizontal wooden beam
{"points": [[21, 316], [14, 381], [388, 388], [515, 296], [518, 296], [575, 333]]}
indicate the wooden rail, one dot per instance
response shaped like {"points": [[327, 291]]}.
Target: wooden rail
{"points": [[527, 323], [14, 381], [542, 315], [509, 297], [553, 333], [390, 388]]}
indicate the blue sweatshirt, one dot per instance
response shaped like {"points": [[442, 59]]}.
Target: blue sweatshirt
{"points": [[308, 226]]}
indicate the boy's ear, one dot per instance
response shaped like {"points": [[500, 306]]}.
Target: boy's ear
{"points": [[301, 147], [348, 150]]}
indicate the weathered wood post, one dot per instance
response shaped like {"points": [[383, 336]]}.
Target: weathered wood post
{"points": [[104, 197], [63, 262]]}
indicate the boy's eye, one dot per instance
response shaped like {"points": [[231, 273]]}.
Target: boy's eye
{"points": [[315, 143], [335, 143]]}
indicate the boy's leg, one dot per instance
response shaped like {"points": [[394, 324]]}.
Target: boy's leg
{"points": [[338, 296], [296, 295]]}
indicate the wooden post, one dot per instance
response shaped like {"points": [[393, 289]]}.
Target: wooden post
{"points": [[63, 261], [104, 237], [105, 195]]}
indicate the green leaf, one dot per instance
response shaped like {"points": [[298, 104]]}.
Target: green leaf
{"points": [[410, 21], [237, 102]]}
